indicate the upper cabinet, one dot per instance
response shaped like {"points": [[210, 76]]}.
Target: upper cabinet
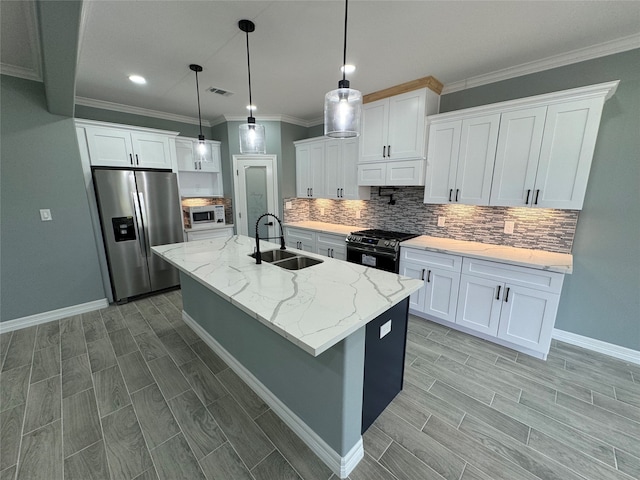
{"points": [[328, 168], [460, 160], [534, 152], [190, 160], [393, 140], [123, 147]]}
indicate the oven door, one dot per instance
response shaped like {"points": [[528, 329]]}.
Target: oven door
{"points": [[371, 258]]}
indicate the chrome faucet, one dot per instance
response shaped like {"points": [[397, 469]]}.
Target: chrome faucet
{"points": [[282, 246]]}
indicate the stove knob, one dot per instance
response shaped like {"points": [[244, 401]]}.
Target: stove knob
{"points": [[386, 243], [349, 238], [393, 243]]}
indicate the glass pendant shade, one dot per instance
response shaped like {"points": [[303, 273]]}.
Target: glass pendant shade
{"points": [[252, 138], [342, 112], [202, 148]]}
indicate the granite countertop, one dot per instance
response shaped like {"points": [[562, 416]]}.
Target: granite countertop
{"points": [[539, 259], [324, 227], [314, 308]]}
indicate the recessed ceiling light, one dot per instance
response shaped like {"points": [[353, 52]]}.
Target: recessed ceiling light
{"points": [[140, 80], [347, 69]]}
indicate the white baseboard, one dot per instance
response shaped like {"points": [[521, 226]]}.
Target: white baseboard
{"points": [[52, 315], [341, 466], [622, 353]]}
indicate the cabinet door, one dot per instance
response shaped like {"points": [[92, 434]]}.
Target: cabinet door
{"points": [[479, 304], [151, 150], [316, 169], [333, 246], [211, 161], [517, 155], [373, 135], [408, 172], [568, 143], [528, 317], [185, 156], [417, 299], [406, 126], [110, 147], [442, 161], [441, 298], [300, 239], [479, 138], [374, 174], [302, 171], [349, 170], [332, 168]]}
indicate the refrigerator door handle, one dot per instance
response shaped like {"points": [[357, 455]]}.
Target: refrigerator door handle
{"points": [[143, 215], [137, 212]]}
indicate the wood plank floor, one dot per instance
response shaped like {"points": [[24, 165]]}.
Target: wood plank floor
{"points": [[130, 392]]}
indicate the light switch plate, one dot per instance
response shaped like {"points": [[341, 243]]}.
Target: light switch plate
{"points": [[45, 215], [441, 221], [385, 329], [508, 227]]}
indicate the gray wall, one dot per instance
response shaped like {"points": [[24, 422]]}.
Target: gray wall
{"points": [[601, 300], [45, 265], [289, 134]]}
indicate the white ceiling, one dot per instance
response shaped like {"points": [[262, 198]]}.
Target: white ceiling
{"points": [[296, 50]]}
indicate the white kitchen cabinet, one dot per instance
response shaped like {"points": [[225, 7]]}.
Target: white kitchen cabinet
{"points": [[119, 147], [441, 276], [310, 164], [404, 173], [393, 128], [189, 159], [341, 171], [205, 234], [331, 245], [300, 238], [460, 160], [512, 303]]}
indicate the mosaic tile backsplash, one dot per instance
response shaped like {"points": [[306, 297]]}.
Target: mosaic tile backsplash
{"points": [[542, 229]]}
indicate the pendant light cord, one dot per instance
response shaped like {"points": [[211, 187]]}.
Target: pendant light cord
{"points": [[198, 93], [344, 56], [249, 71]]}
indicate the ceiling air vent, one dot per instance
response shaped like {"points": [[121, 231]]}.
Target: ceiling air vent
{"points": [[219, 91]]}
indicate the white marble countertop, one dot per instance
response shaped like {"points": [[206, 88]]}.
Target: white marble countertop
{"points": [[208, 226], [325, 227], [539, 259], [314, 308]]}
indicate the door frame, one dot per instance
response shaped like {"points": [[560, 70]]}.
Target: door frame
{"points": [[240, 207]]}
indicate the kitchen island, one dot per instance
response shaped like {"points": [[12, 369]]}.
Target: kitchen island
{"points": [[298, 337]]}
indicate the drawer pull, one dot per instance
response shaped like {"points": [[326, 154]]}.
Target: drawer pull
{"points": [[526, 202], [498, 292], [137, 161], [506, 295]]}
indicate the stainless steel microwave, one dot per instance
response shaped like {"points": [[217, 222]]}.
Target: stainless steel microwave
{"points": [[205, 214]]}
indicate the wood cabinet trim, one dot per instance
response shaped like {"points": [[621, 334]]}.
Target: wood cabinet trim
{"points": [[429, 82]]}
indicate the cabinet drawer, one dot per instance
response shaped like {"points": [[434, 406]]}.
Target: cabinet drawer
{"points": [[523, 276], [443, 261]]}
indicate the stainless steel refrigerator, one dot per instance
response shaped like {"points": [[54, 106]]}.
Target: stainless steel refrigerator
{"points": [[138, 210]]}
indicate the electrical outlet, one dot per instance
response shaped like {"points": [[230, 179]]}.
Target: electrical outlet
{"points": [[45, 215], [322, 211], [441, 221], [508, 227], [385, 329], [357, 214], [288, 205]]}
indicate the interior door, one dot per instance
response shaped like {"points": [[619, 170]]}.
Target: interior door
{"points": [[255, 193]]}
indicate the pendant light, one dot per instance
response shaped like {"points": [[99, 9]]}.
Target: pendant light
{"points": [[202, 148], [343, 106], [251, 134]]}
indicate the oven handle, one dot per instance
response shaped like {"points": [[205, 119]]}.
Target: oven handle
{"points": [[370, 252]]}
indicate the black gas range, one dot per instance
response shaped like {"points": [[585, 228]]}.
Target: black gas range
{"points": [[377, 248]]}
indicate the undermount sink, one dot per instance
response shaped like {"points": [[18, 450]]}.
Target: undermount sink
{"points": [[287, 260]]}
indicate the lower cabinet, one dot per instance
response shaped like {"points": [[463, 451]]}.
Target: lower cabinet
{"points": [[205, 234], [516, 305], [327, 244]]}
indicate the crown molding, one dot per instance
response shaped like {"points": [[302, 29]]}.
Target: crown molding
{"points": [[119, 107], [272, 118], [20, 72], [35, 72], [595, 51]]}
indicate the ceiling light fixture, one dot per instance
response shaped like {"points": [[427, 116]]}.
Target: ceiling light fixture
{"points": [[140, 80], [343, 106], [348, 69], [251, 134], [202, 148]]}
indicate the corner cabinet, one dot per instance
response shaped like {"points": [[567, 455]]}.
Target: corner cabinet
{"points": [[531, 152], [327, 168], [111, 146], [392, 140], [511, 305]]}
